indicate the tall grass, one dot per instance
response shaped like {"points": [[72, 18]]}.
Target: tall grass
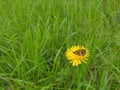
{"points": [[34, 35]]}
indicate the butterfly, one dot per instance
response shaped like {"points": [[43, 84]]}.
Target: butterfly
{"points": [[80, 52]]}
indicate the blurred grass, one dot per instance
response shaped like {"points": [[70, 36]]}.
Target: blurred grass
{"points": [[34, 35]]}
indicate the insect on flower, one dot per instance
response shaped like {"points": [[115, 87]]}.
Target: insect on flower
{"points": [[77, 54]]}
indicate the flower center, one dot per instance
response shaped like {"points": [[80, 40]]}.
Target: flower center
{"points": [[80, 52]]}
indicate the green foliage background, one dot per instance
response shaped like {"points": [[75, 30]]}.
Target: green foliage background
{"points": [[34, 35]]}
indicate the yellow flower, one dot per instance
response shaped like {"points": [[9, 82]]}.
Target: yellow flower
{"points": [[77, 54]]}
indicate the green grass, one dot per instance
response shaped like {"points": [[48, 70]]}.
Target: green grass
{"points": [[34, 35]]}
